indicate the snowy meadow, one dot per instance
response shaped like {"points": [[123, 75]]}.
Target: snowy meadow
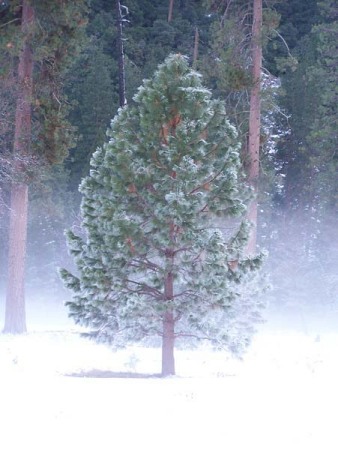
{"points": [[60, 390]]}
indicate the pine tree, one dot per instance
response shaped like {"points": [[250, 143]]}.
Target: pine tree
{"points": [[15, 316], [91, 86], [38, 43], [153, 260], [304, 254], [240, 34], [323, 136], [308, 155]]}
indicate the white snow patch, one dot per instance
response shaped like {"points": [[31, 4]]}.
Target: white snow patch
{"points": [[283, 395]]}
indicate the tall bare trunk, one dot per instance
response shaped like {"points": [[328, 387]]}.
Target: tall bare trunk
{"points": [[170, 12], [168, 344], [168, 338], [122, 72], [15, 316], [254, 120], [196, 44]]}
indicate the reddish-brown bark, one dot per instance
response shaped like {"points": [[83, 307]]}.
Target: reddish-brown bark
{"points": [[15, 316], [168, 336], [254, 121], [170, 11], [168, 344]]}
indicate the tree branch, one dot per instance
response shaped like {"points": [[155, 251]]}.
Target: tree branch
{"points": [[11, 21]]}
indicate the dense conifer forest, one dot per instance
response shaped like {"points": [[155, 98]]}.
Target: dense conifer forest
{"points": [[67, 68]]}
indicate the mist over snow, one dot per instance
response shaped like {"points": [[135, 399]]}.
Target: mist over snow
{"points": [[59, 390]]}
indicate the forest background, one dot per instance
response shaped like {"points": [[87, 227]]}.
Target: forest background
{"points": [[298, 183]]}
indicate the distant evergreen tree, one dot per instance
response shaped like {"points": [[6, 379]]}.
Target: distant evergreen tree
{"points": [[308, 154], [153, 260], [323, 134], [92, 88], [151, 36], [307, 158]]}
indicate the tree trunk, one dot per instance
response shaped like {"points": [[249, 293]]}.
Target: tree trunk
{"points": [[196, 44], [168, 338], [122, 72], [254, 120], [168, 344], [170, 12], [15, 316]]}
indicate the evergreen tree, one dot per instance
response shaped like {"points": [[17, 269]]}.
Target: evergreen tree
{"points": [[91, 86], [153, 260], [308, 155], [38, 43], [307, 158], [323, 136], [157, 28], [15, 318], [234, 66]]}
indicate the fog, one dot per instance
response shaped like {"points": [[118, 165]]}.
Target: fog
{"points": [[302, 269]]}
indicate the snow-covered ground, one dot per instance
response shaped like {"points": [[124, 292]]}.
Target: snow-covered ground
{"points": [[58, 391]]}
